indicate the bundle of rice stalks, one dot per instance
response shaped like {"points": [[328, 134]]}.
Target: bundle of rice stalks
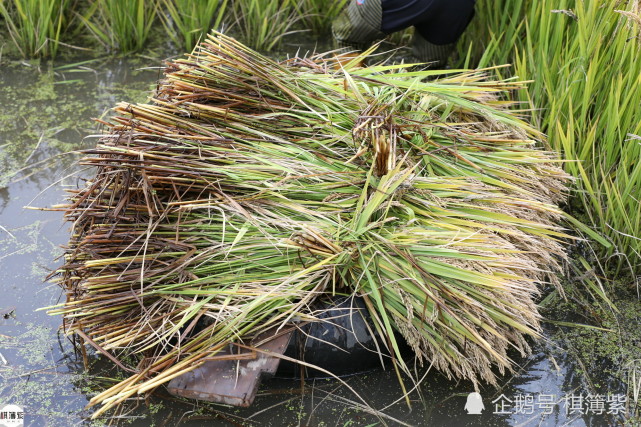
{"points": [[248, 188]]}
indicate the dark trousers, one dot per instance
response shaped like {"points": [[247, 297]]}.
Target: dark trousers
{"points": [[439, 22]]}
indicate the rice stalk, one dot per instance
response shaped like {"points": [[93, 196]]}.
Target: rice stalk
{"points": [[262, 24], [583, 59], [318, 15], [248, 188], [36, 26], [188, 21], [120, 25]]}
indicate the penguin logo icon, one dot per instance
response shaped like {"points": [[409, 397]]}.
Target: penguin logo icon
{"points": [[474, 405]]}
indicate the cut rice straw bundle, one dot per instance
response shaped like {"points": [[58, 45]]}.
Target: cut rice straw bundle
{"points": [[246, 189]]}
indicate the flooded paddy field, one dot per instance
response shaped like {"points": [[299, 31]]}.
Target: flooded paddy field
{"points": [[578, 378]]}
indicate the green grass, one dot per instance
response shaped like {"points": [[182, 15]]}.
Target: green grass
{"points": [[318, 15], [583, 60], [262, 24], [35, 26], [188, 21], [120, 25]]}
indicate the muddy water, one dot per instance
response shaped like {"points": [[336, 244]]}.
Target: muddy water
{"points": [[47, 113]]}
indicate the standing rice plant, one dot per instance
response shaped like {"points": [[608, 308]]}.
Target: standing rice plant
{"points": [[36, 26], [494, 32], [318, 15], [249, 188], [120, 25], [188, 21], [262, 24], [583, 58]]}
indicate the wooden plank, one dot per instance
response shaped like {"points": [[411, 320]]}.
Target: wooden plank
{"points": [[233, 378]]}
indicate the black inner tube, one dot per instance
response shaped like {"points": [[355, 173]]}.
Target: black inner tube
{"points": [[343, 342]]}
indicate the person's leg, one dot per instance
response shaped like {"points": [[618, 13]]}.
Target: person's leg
{"points": [[448, 21], [438, 24], [359, 24], [400, 14]]}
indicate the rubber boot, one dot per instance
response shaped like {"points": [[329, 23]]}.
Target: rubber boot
{"points": [[435, 55]]}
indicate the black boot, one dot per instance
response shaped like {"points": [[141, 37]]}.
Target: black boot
{"points": [[435, 55]]}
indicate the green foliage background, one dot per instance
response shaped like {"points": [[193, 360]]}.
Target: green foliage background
{"points": [[582, 59]]}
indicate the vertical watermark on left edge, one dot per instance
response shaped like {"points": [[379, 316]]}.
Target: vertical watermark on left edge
{"points": [[11, 416]]}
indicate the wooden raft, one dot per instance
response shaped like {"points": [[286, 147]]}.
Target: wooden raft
{"points": [[233, 379]]}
